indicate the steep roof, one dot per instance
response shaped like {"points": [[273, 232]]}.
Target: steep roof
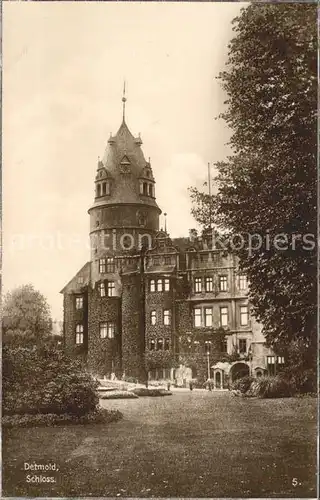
{"points": [[125, 163]]}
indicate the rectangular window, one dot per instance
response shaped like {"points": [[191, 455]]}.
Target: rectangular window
{"points": [[79, 334], [159, 344], [152, 286], [159, 285], [153, 317], [102, 266], [208, 316], [167, 317], [111, 289], [244, 315], [166, 373], [166, 285], [167, 260], [110, 265], [242, 346], [166, 344], [271, 365], [223, 283], [280, 360], [197, 316], [197, 285], [152, 345], [223, 316], [156, 261], [242, 282], [102, 290], [224, 345], [80, 280], [79, 302], [207, 346], [209, 284], [107, 330]]}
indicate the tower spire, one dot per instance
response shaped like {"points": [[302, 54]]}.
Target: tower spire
{"points": [[124, 101]]}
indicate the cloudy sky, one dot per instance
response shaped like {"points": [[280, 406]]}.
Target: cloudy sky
{"points": [[64, 66]]}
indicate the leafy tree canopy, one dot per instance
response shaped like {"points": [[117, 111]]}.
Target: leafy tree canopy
{"points": [[26, 316], [266, 187]]}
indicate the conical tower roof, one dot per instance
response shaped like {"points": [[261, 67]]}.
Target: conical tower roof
{"points": [[126, 169]]}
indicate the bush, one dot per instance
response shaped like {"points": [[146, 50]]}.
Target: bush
{"points": [[119, 395], [44, 380], [271, 387], [243, 384], [50, 419], [143, 391]]}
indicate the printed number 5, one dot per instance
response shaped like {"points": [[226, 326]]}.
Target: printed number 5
{"points": [[295, 482]]}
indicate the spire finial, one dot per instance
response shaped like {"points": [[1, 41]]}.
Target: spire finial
{"points": [[124, 101], [165, 222]]}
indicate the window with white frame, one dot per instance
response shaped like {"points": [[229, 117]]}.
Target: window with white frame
{"points": [[197, 316], [153, 317], [280, 360], [102, 290], [197, 285], [79, 334], [242, 282], [152, 286], [80, 280], [110, 265], [79, 302], [224, 316], [107, 330], [223, 283], [209, 283], [208, 316], [167, 317], [102, 266], [159, 285], [166, 284], [111, 289], [244, 315]]}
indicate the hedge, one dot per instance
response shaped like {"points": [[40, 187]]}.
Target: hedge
{"points": [[44, 380]]}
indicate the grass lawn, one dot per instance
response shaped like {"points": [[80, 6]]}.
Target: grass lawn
{"points": [[191, 444]]}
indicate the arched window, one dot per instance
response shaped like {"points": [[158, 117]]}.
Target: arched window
{"points": [[145, 189], [98, 190], [104, 188], [150, 190]]}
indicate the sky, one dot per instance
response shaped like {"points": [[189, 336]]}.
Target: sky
{"points": [[64, 64]]}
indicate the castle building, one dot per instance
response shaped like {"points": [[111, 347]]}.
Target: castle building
{"points": [[148, 306]]}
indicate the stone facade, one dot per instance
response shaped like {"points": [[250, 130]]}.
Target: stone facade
{"points": [[146, 306]]}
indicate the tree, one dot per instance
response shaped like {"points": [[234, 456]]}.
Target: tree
{"points": [[26, 317], [266, 199]]}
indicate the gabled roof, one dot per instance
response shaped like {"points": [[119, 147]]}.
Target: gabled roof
{"points": [[73, 283]]}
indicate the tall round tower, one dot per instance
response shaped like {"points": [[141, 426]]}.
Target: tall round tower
{"points": [[124, 214], [123, 218]]}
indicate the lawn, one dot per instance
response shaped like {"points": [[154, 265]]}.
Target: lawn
{"points": [[191, 444]]}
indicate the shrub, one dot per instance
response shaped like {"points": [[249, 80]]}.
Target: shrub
{"points": [[42, 379], [143, 391], [243, 384], [50, 419], [119, 395], [271, 387]]}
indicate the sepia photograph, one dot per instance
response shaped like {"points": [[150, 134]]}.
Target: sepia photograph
{"points": [[159, 264]]}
